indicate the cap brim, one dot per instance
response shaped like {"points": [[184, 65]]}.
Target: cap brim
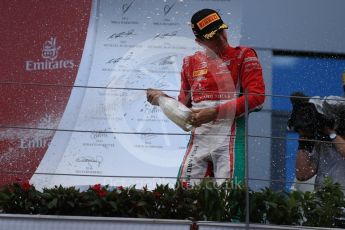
{"points": [[213, 32]]}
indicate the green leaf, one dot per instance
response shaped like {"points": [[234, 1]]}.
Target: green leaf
{"points": [[4, 197], [71, 204], [141, 203], [53, 203], [46, 195], [113, 205]]}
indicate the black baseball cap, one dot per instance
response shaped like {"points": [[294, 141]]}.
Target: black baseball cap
{"points": [[206, 23]]}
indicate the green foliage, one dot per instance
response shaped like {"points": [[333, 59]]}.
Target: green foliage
{"points": [[329, 201], [205, 201]]}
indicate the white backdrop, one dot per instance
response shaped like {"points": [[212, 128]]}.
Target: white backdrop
{"points": [[131, 46]]}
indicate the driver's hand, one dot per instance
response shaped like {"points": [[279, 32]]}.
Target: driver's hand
{"points": [[152, 95], [202, 116]]}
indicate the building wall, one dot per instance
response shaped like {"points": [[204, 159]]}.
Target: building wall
{"points": [[303, 26], [308, 25]]}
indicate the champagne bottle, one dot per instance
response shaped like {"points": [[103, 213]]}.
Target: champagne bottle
{"points": [[176, 112]]}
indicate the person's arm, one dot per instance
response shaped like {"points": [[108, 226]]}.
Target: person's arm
{"points": [[306, 165], [339, 143], [185, 94], [252, 83]]}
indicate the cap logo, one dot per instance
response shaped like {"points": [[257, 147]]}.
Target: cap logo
{"points": [[208, 20]]}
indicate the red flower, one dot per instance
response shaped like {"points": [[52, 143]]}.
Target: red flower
{"points": [[97, 187], [157, 195], [185, 184], [26, 186], [99, 190], [102, 193], [120, 187]]}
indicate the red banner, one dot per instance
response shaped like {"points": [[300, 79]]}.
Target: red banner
{"points": [[41, 44]]}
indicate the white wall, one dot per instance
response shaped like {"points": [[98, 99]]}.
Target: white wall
{"points": [[303, 25], [259, 148], [296, 25]]}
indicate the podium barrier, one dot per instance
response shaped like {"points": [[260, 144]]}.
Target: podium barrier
{"points": [[35, 222], [206, 225], [38, 222]]}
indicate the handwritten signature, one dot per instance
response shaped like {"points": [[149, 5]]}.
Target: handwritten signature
{"points": [[127, 6], [165, 35], [149, 109], [90, 159], [116, 60], [149, 136], [167, 8], [168, 60], [122, 34], [97, 135]]}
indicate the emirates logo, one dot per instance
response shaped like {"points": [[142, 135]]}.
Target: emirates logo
{"points": [[50, 49], [50, 52]]}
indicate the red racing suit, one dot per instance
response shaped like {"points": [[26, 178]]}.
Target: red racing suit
{"points": [[218, 81]]}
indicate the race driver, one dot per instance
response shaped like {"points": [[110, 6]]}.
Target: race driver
{"points": [[212, 85]]}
